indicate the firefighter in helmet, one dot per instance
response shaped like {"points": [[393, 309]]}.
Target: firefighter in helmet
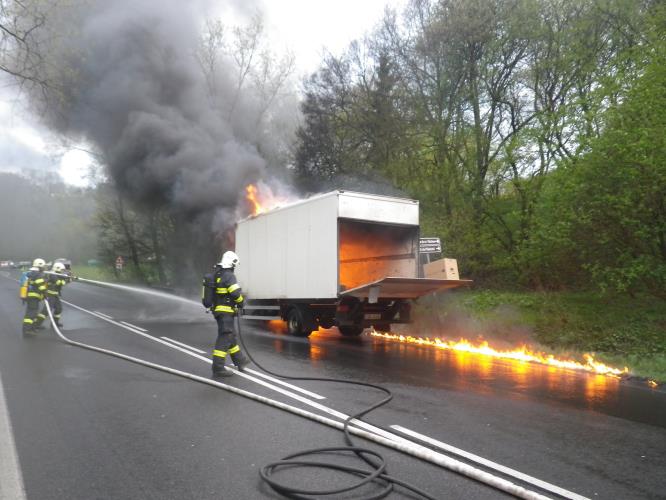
{"points": [[54, 283], [227, 299], [36, 283]]}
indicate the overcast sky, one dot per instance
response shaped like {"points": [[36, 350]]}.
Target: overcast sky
{"points": [[306, 27]]}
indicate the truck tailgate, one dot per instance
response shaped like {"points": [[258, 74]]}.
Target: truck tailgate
{"points": [[402, 288]]}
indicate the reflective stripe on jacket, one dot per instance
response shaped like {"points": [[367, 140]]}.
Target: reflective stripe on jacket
{"points": [[228, 292], [36, 285], [55, 284]]}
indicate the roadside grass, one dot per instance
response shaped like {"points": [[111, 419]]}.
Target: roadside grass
{"points": [[620, 331], [97, 273]]}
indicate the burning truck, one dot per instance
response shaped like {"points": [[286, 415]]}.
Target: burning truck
{"points": [[342, 259]]}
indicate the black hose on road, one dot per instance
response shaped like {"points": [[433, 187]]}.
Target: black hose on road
{"points": [[377, 472], [412, 449]]}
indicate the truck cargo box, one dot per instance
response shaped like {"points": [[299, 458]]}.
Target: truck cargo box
{"points": [[337, 258], [326, 244]]}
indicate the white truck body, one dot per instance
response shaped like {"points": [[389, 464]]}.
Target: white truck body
{"points": [[291, 252], [342, 259]]}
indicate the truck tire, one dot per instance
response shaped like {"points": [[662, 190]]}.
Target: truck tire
{"points": [[297, 325], [351, 331]]}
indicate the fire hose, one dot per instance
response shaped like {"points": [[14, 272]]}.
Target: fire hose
{"points": [[378, 464]]}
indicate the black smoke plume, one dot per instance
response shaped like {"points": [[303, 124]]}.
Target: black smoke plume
{"points": [[130, 84]]}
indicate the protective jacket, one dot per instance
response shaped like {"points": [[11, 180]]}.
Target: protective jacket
{"points": [[54, 284], [228, 293], [226, 299], [36, 285]]}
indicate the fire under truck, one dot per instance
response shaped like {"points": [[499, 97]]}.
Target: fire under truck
{"points": [[342, 259]]}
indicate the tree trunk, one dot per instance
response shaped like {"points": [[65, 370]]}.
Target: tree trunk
{"points": [[131, 242]]}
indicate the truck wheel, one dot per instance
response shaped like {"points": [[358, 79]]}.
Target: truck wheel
{"points": [[351, 331], [296, 324]]}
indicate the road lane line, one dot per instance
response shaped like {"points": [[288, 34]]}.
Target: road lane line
{"points": [[102, 314], [133, 326], [356, 424], [207, 360], [184, 345], [133, 330], [11, 479], [490, 464], [286, 384], [254, 372], [413, 449]]}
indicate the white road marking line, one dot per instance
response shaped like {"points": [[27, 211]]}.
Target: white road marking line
{"points": [[490, 464], [11, 479], [204, 359], [133, 330], [183, 345], [325, 409], [102, 314], [413, 449], [286, 384], [134, 326], [255, 372], [375, 430]]}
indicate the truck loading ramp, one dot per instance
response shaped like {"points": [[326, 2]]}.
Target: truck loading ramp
{"points": [[402, 288]]}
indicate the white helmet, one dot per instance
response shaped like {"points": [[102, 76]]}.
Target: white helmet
{"points": [[229, 260], [58, 267], [40, 263]]}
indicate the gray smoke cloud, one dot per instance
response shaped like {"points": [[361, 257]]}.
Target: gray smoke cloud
{"points": [[132, 86]]}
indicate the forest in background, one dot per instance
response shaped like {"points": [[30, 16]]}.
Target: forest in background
{"points": [[531, 131]]}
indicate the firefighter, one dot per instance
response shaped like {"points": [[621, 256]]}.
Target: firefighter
{"points": [[36, 290], [227, 299], [55, 281]]}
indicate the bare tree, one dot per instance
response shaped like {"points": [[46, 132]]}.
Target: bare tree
{"points": [[22, 33], [255, 69], [249, 82]]}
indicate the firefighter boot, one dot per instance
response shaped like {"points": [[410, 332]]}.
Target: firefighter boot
{"points": [[222, 373], [218, 369], [240, 361], [29, 330], [37, 325]]}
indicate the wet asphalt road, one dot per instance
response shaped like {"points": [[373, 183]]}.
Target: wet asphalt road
{"points": [[91, 426]]}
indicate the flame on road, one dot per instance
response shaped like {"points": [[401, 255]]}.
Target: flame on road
{"points": [[522, 353]]}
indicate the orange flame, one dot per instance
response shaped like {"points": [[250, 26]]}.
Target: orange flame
{"points": [[523, 353], [251, 196], [261, 198]]}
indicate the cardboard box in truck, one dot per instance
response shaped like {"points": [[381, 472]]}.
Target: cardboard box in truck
{"points": [[341, 258], [446, 269]]}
